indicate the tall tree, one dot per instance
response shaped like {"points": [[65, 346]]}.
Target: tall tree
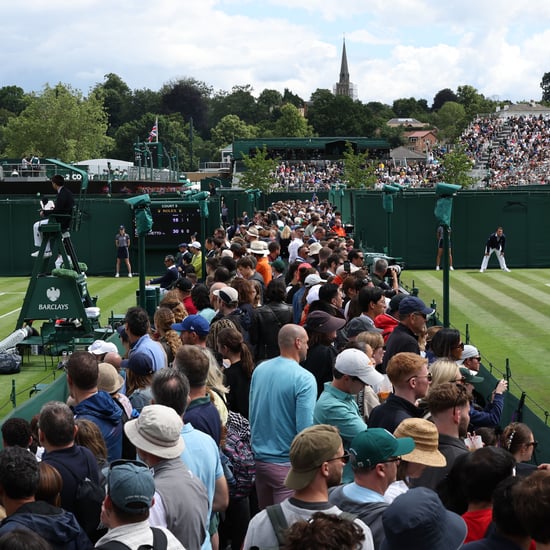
{"points": [[442, 97], [229, 128], [357, 170], [331, 115], [269, 104], [260, 170], [60, 123], [143, 101], [290, 97], [292, 123], [239, 102], [190, 99], [116, 96], [13, 99], [457, 167], [410, 108], [474, 103], [451, 120]]}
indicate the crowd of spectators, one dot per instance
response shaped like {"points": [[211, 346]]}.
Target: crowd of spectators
{"points": [[288, 386], [515, 150]]}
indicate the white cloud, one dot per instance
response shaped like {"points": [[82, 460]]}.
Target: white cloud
{"points": [[395, 49]]}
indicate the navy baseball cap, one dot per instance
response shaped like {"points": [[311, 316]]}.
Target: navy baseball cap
{"points": [[412, 304]]}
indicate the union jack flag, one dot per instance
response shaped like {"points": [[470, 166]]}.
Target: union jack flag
{"points": [[154, 133]]}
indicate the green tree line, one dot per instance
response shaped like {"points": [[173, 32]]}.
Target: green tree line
{"points": [[61, 122]]}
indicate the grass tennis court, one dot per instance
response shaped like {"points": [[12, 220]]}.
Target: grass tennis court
{"points": [[508, 315]]}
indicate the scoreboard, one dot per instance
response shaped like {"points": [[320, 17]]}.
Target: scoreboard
{"points": [[173, 223]]}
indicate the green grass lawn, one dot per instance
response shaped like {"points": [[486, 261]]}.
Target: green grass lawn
{"points": [[508, 315], [115, 295]]}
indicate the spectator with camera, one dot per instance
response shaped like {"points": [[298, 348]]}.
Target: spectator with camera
{"points": [[381, 272]]}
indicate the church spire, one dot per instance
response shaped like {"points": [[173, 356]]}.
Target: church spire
{"points": [[344, 71], [344, 86]]}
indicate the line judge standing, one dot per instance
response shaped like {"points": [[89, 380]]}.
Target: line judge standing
{"points": [[122, 243], [495, 244]]}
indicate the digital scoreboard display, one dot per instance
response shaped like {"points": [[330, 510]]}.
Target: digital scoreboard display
{"points": [[173, 223]]}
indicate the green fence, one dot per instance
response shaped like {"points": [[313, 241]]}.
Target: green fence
{"points": [[409, 232], [56, 391]]}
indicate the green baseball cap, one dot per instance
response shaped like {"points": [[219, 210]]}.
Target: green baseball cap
{"points": [[377, 445]]}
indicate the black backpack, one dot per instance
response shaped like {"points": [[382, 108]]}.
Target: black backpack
{"points": [[160, 542], [89, 497]]}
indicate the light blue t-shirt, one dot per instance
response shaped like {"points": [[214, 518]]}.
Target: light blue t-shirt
{"points": [[153, 349], [202, 457], [282, 398]]}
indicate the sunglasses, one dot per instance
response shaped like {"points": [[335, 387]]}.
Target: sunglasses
{"points": [[429, 376], [532, 444], [420, 314], [344, 458], [461, 346]]}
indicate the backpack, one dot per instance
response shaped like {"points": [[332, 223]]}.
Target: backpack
{"points": [[239, 456], [10, 363], [160, 542], [280, 525], [89, 497]]}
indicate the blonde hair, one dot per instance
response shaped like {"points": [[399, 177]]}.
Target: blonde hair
{"points": [[164, 319], [374, 339], [286, 232], [443, 370], [172, 301]]}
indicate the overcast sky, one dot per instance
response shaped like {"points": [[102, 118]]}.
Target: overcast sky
{"points": [[396, 48]]}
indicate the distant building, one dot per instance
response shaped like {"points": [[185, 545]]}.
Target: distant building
{"points": [[405, 123], [344, 86], [522, 109], [420, 140]]}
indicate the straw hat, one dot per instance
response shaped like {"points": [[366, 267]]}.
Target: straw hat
{"points": [[426, 438]]}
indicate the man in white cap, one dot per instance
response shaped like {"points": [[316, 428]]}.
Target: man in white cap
{"points": [[317, 458], [125, 510], [470, 358], [100, 348], [337, 405], [181, 501]]}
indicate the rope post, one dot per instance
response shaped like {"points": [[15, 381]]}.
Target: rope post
{"points": [[13, 395]]}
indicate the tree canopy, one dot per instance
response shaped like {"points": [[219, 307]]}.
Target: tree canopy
{"points": [[59, 123], [259, 171]]}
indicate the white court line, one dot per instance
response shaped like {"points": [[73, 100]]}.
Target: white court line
{"points": [[10, 313]]}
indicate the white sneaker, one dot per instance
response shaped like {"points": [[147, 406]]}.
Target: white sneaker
{"points": [[437, 268], [452, 268], [117, 275], [35, 254], [130, 275], [506, 269], [481, 270], [46, 254]]}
